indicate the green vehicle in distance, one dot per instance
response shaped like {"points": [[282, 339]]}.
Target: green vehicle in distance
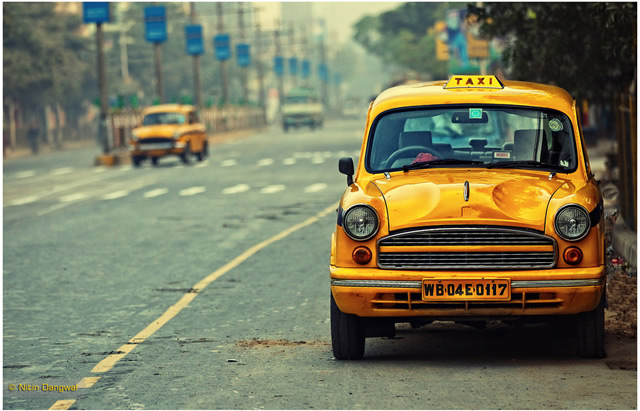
{"points": [[302, 107]]}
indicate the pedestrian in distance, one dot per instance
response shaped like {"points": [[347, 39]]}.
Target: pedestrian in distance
{"points": [[33, 132]]}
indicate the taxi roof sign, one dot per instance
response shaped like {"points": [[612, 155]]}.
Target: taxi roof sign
{"points": [[488, 81]]}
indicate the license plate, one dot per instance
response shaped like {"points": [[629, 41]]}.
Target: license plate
{"points": [[497, 289]]}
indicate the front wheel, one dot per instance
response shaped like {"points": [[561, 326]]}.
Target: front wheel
{"points": [[186, 154], [591, 332], [347, 334]]}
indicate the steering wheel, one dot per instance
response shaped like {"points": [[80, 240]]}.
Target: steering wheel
{"points": [[411, 151]]}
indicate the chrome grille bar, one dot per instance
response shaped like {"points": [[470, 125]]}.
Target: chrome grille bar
{"points": [[458, 237]]}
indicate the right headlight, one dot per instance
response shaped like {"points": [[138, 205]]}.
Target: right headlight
{"points": [[572, 222], [134, 136], [360, 222]]}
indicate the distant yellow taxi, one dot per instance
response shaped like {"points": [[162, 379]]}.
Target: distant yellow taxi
{"points": [[169, 129], [472, 200]]}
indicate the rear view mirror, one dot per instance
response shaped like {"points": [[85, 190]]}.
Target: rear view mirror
{"points": [[345, 165], [472, 116]]}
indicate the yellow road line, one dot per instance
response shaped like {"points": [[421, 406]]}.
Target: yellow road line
{"points": [[107, 363], [62, 405], [87, 382]]}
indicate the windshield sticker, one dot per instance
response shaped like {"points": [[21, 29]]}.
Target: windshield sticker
{"points": [[555, 125], [501, 154], [475, 113], [564, 163]]}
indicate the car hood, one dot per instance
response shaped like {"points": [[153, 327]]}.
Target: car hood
{"points": [[496, 197], [158, 130]]}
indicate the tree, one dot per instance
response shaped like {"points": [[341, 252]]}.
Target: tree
{"points": [[587, 48], [401, 37]]}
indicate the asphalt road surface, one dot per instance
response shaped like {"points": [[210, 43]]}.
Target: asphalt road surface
{"points": [[207, 286]]}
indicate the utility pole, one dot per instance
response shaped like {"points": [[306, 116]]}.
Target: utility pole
{"points": [[102, 84], [323, 61], [223, 63], [157, 48], [260, 68], [196, 65], [292, 51], [280, 78], [245, 90]]}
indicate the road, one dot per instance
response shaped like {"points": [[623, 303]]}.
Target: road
{"points": [[206, 287]]}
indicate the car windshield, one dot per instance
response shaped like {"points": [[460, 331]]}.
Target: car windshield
{"points": [[163, 118], [478, 136]]}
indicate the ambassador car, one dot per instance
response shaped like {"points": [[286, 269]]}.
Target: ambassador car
{"points": [[472, 200], [169, 129]]}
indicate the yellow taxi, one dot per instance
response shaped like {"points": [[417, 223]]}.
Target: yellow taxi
{"points": [[169, 129], [472, 200]]}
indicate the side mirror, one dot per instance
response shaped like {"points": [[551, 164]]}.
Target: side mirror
{"points": [[345, 165]]}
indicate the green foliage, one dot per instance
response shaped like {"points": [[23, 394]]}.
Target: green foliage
{"points": [[587, 48], [400, 36], [44, 59]]}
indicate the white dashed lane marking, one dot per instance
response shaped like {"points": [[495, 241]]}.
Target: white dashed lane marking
{"points": [[272, 189], [265, 162], [239, 188], [115, 194], [202, 164], [314, 188], [73, 197], [229, 163], [192, 191], [289, 161], [155, 193], [25, 200], [61, 171], [25, 174]]}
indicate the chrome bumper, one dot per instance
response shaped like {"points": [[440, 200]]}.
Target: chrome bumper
{"points": [[514, 284]]}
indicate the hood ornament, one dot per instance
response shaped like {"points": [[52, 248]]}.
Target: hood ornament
{"points": [[466, 191]]}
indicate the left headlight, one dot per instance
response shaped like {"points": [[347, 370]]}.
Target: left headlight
{"points": [[134, 136], [572, 222], [360, 222]]}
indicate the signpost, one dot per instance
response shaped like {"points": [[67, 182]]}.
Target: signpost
{"points": [[293, 66], [98, 13], [243, 55], [193, 34], [306, 69], [156, 33], [278, 65], [221, 46]]}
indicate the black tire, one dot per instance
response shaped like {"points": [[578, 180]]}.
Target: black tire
{"points": [[199, 156], [591, 332], [154, 161], [205, 149], [186, 155], [136, 160], [347, 334]]}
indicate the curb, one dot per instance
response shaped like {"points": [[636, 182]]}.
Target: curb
{"points": [[625, 242]]}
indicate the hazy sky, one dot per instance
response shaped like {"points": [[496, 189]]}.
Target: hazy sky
{"points": [[340, 16]]}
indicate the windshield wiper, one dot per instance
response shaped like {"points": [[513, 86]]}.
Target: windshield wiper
{"points": [[444, 161], [526, 163]]}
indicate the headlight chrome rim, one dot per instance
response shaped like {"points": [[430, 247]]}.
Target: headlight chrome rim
{"points": [[353, 236], [587, 218]]}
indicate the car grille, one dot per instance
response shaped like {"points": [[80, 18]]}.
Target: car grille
{"points": [[483, 247], [155, 140]]}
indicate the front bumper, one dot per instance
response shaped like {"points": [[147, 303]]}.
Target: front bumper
{"points": [[380, 293], [157, 149]]}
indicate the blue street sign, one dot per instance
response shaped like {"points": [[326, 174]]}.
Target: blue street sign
{"points": [[221, 45], [243, 55], [278, 65], [193, 34], [293, 66], [95, 12], [306, 68], [155, 24], [323, 72]]}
